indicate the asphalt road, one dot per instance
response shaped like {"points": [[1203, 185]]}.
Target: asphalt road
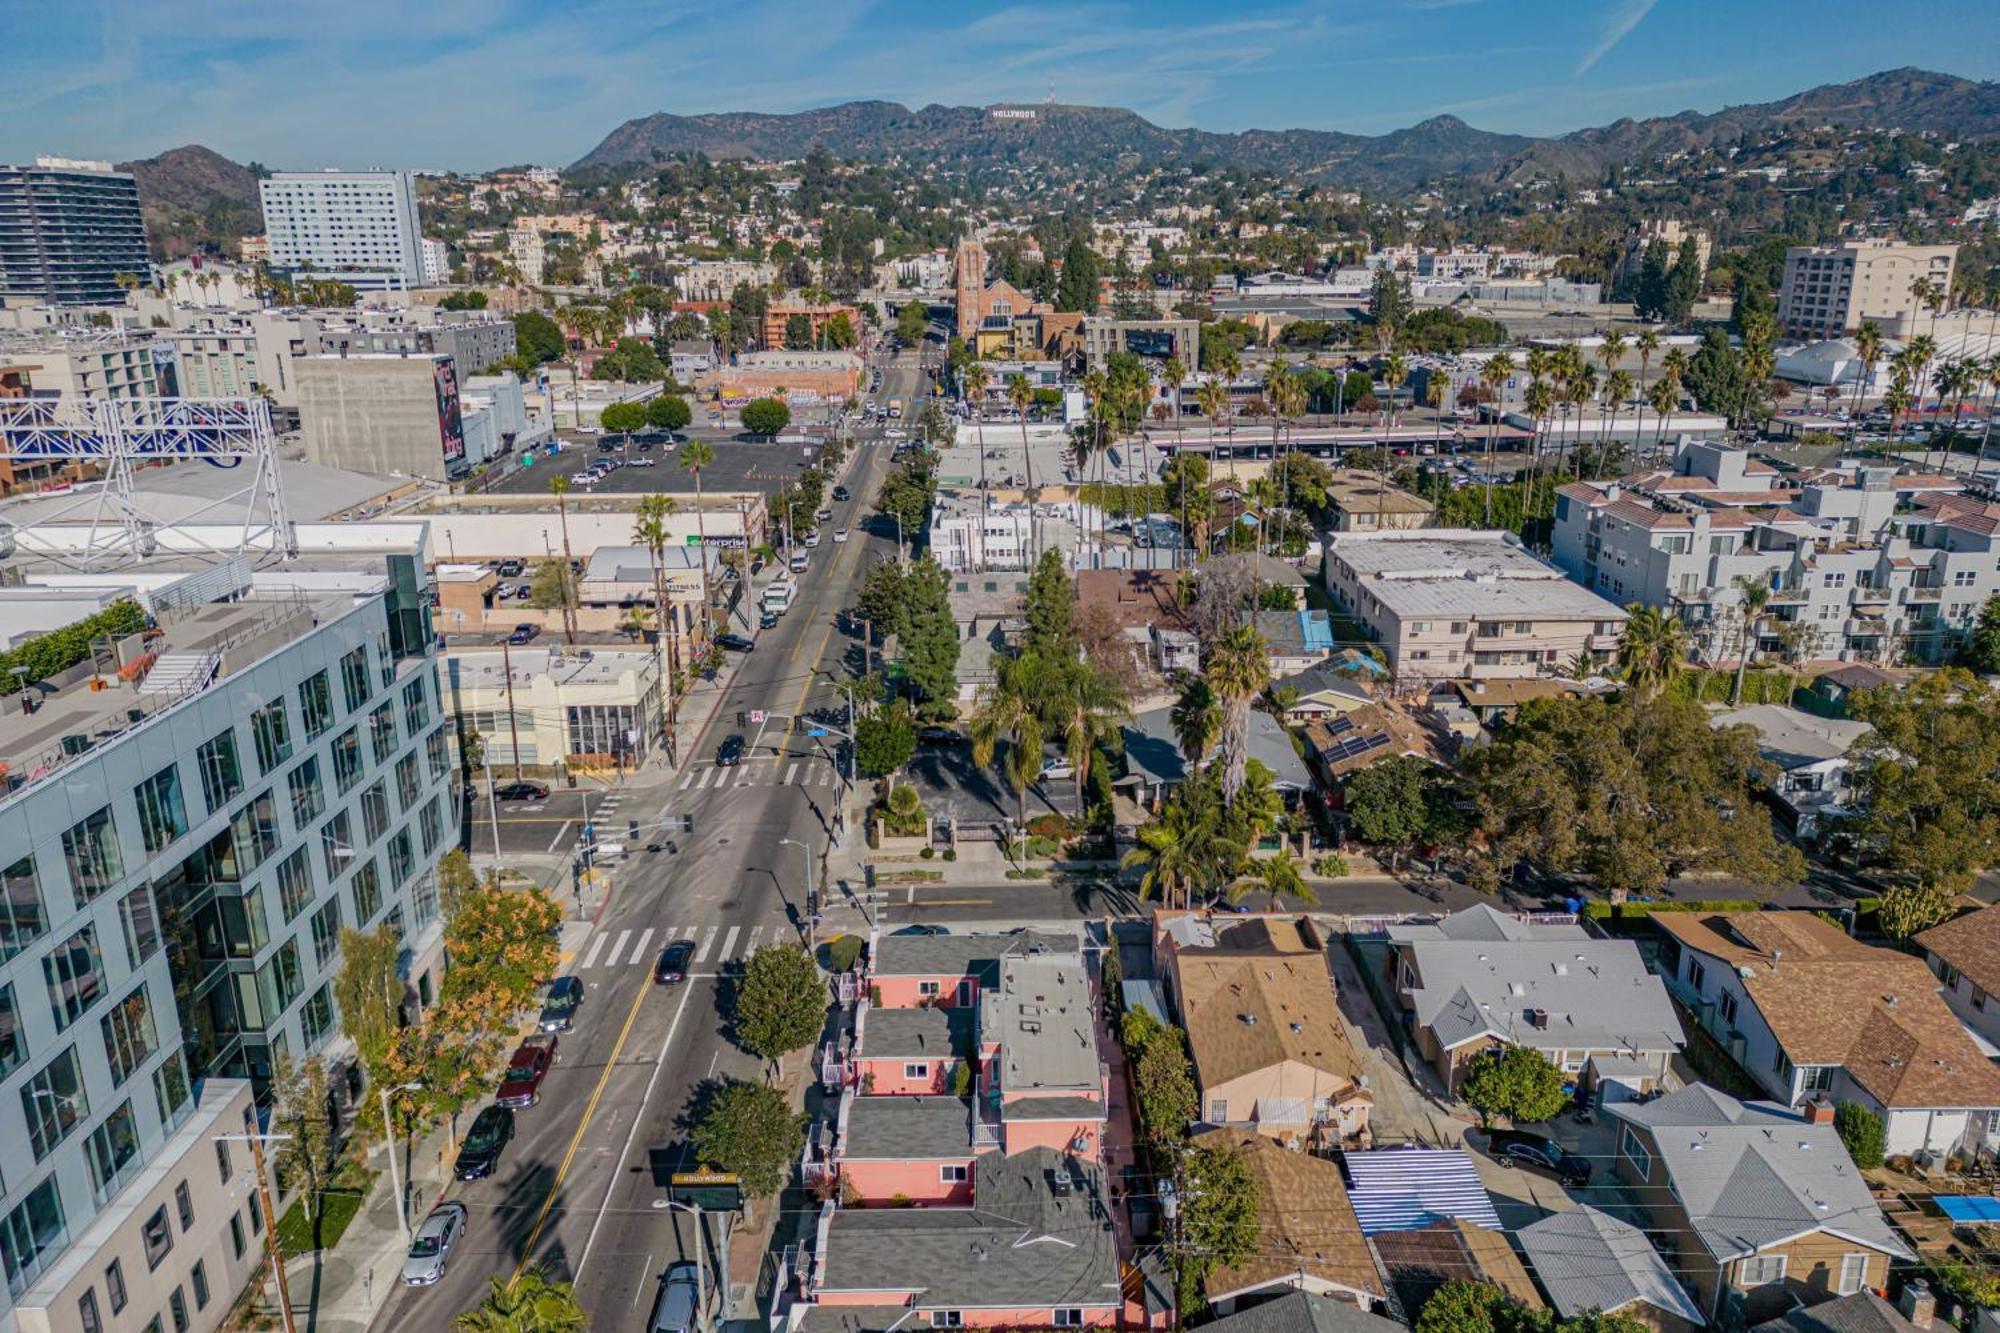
{"points": [[574, 1191]]}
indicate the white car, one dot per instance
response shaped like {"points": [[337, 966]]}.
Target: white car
{"points": [[812, 538], [1057, 768], [800, 562], [895, 434], [431, 1246], [582, 478], [644, 462], [824, 516], [840, 534]]}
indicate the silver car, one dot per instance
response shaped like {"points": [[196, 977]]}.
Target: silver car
{"points": [[432, 1245]]}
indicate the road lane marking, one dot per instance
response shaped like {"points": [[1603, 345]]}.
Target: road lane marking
{"points": [[707, 943], [750, 945], [590, 1113], [790, 769], [618, 948], [556, 841], [659, 1064], [728, 943], [639, 949], [686, 778], [746, 778], [596, 947]]}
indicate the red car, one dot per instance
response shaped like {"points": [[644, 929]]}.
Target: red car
{"points": [[521, 1085]]}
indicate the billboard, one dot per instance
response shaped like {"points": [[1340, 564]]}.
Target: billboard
{"points": [[451, 423]]}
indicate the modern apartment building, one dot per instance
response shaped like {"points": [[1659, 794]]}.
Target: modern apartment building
{"points": [[1449, 603], [182, 846], [89, 363], [356, 227], [68, 229], [969, 537], [434, 259], [1864, 562], [528, 251], [1829, 290]]}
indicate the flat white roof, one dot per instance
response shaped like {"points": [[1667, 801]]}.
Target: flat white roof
{"points": [[1468, 571]]}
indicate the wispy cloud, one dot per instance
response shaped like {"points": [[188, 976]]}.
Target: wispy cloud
{"points": [[1623, 19]]}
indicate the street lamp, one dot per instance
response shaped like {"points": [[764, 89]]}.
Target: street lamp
{"points": [[700, 1264], [806, 883], [395, 1179]]}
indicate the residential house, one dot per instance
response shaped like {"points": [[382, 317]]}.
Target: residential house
{"points": [[1271, 572], [1810, 756], [1363, 502], [908, 971], [1270, 1052], [1420, 1259], [1322, 691], [1831, 693], [1155, 765], [1809, 1012], [896, 1150], [1762, 1206], [1302, 1312], [910, 1052], [1964, 955], [1481, 979], [1308, 1237], [1589, 1260], [1915, 1311], [1294, 640], [1492, 701], [1041, 1082], [1342, 745], [1401, 1189]]}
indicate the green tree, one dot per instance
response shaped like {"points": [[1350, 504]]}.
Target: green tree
{"points": [[1077, 288], [502, 944], [1683, 287], [538, 338], [1861, 1133], [1222, 1211], [779, 1005], [553, 586], [472, 300], [1281, 877], [911, 320], [798, 332], [930, 639], [1163, 1088], [1011, 710], [840, 334], [530, 1303], [368, 991], [1925, 778], [455, 879], [299, 1109], [751, 1130], [1237, 669], [1982, 646], [1396, 802], [1517, 1082], [765, 416], [880, 600], [1654, 650], [694, 456], [668, 411], [622, 418], [1717, 378], [1051, 600], [1463, 1307], [884, 741]]}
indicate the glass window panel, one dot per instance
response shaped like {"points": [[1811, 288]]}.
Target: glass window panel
{"points": [[221, 774], [336, 845], [416, 706], [129, 1035], [316, 705], [90, 848], [308, 797], [74, 974], [139, 922], [254, 832], [408, 785], [53, 1101], [367, 893], [402, 859], [374, 814], [295, 884], [13, 1046], [22, 921], [326, 932], [171, 1086], [438, 753], [271, 728], [112, 1146], [382, 733], [354, 678], [31, 1234], [162, 816], [317, 1016], [347, 760]]}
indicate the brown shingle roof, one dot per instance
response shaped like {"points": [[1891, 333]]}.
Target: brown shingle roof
{"points": [[1136, 598], [1420, 1261], [1308, 1224], [1248, 1011], [1970, 943]]}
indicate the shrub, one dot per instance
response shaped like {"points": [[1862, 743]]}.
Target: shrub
{"points": [[961, 1078], [951, 853], [1042, 848], [1049, 826], [58, 650], [1598, 910], [1860, 1130], [1330, 866], [927, 853]]}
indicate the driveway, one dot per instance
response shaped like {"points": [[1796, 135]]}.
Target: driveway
{"points": [[951, 784]]}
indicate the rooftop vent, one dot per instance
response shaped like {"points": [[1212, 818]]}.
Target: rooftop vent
{"points": [[1248, 1019]]}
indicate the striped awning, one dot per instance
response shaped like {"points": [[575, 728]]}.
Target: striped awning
{"points": [[1401, 1189]]}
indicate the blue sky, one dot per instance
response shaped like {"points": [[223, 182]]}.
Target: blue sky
{"points": [[477, 83]]}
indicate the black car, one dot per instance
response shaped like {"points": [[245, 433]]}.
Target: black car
{"points": [[511, 569], [730, 753], [735, 643], [939, 736], [768, 620], [522, 791], [480, 1152], [559, 1010], [840, 492], [1513, 1147], [921, 930], [523, 634], [673, 965]]}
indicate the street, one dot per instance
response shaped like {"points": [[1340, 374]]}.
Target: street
{"points": [[574, 1191]]}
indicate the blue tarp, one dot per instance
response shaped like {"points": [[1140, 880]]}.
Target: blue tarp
{"points": [[1969, 1207], [1316, 629]]}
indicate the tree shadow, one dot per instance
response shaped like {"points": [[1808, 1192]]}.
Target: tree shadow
{"points": [[520, 1205]]}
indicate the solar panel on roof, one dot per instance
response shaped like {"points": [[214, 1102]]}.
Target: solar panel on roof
{"points": [[1339, 724]]}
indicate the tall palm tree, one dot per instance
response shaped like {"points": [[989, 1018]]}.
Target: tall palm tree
{"points": [[1868, 350], [559, 487], [1281, 877], [1541, 403], [649, 529], [1096, 445], [1499, 368], [1664, 396], [531, 1303], [694, 456], [1173, 848], [1674, 366], [1921, 351], [1647, 344], [1213, 396], [1288, 402], [1394, 372], [972, 383], [1756, 595], [1011, 710], [1196, 718], [1084, 704], [1653, 651], [1020, 393], [1992, 373], [1617, 388], [1237, 670], [1174, 374], [1955, 379], [1897, 400]]}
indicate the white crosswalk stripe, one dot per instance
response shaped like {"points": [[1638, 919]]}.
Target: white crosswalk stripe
{"points": [[686, 778], [644, 947], [707, 943], [728, 943], [639, 949], [793, 768], [745, 778], [596, 947], [618, 948]]}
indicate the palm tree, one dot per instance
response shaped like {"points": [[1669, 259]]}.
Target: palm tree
{"points": [[1920, 352], [1647, 344], [972, 383], [649, 529], [1097, 394], [1173, 374], [1897, 400], [1756, 595], [559, 487], [1868, 350], [1394, 372], [1663, 397], [1012, 709], [1196, 718], [1173, 849], [1617, 388], [1084, 704], [1499, 368], [530, 1303], [694, 456], [1541, 402], [1213, 396], [1237, 670], [1281, 877], [1955, 379], [1674, 366], [1992, 382], [1288, 402], [1653, 651]]}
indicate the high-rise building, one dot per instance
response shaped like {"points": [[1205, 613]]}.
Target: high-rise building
{"points": [[435, 262], [356, 227], [1829, 290], [969, 287], [68, 229], [178, 853], [528, 251]]}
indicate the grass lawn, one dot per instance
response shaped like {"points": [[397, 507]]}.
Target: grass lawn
{"points": [[339, 1203]]}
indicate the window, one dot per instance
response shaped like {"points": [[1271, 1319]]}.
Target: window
{"points": [[74, 974], [253, 832], [236, 1244], [199, 1279], [271, 730], [1816, 1078], [308, 798], [953, 1173], [416, 706], [1853, 1272], [927, 988], [129, 1034], [221, 775], [317, 1016], [917, 1070], [315, 706], [1697, 974], [111, 1147], [295, 884], [139, 922], [184, 1206], [382, 733], [21, 918], [1218, 1111], [1978, 999], [170, 1086], [354, 678], [947, 1319], [278, 983], [402, 859], [347, 760], [1069, 1316], [326, 932], [408, 785], [431, 823], [114, 1285], [439, 757], [158, 1236], [90, 848], [1634, 1151], [224, 1168], [374, 814], [1760, 1270], [256, 1219], [336, 845], [1726, 1002], [53, 1101], [86, 1312]]}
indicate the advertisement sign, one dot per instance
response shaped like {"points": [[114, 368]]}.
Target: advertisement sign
{"points": [[451, 423]]}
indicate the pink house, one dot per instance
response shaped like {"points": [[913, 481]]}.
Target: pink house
{"points": [[907, 971], [899, 1052], [901, 1150]]}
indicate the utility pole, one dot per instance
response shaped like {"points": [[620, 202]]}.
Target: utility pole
{"points": [[513, 727], [257, 1142], [390, 1139], [702, 1324]]}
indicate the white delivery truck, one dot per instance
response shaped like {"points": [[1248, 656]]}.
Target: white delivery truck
{"points": [[778, 595]]}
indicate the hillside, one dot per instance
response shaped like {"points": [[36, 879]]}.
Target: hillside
{"points": [[195, 199], [1046, 136]]}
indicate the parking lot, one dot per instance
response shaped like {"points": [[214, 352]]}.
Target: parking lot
{"points": [[738, 467], [953, 787]]}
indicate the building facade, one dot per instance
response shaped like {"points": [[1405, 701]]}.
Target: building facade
{"points": [[356, 227], [1829, 290], [434, 260], [68, 230], [594, 709], [398, 415]]}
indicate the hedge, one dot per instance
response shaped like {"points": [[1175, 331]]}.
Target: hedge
{"points": [[1121, 501], [57, 651], [1602, 911]]}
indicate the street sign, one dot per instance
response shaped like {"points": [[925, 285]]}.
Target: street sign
{"points": [[711, 1191], [758, 715], [816, 731]]}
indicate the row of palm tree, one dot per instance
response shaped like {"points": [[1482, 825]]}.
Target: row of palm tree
{"points": [[1041, 693]]}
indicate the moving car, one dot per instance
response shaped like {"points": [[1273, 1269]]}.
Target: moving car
{"points": [[1513, 1147], [824, 516], [812, 538], [480, 1152], [522, 791], [767, 619], [521, 1084], [559, 1009], [672, 967], [523, 634], [730, 753], [678, 1310], [840, 534], [800, 561], [735, 643], [840, 493], [431, 1246]]}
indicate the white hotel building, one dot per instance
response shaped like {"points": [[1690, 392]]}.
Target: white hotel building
{"points": [[356, 227]]}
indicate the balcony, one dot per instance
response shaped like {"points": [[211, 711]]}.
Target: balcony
{"points": [[1923, 594]]}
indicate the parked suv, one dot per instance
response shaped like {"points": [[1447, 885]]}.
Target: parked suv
{"points": [[1513, 1147]]}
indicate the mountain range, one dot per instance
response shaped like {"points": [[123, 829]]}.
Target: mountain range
{"points": [[194, 198], [1048, 135]]}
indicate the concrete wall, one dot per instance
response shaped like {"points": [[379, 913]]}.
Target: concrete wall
{"points": [[371, 414]]}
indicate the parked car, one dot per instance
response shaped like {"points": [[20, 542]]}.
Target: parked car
{"points": [[921, 930], [767, 620], [678, 1310], [735, 643], [1513, 1147], [521, 1084], [938, 736], [672, 967], [812, 538], [431, 1246], [559, 1009], [480, 1152], [824, 516], [512, 569], [840, 493], [522, 791], [523, 634], [730, 753], [840, 534], [1057, 768]]}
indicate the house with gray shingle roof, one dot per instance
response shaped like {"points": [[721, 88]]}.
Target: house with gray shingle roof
{"points": [[905, 1149], [1303, 1312], [1589, 1260]]}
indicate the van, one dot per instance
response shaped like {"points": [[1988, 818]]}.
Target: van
{"points": [[778, 595], [678, 1310]]}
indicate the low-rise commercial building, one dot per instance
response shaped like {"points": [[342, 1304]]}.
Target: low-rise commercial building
{"points": [[565, 708]]}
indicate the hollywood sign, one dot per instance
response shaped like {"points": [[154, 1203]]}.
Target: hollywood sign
{"points": [[1010, 113]]}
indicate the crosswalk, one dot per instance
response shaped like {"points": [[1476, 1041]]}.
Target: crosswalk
{"points": [[769, 773], [715, 945]]}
